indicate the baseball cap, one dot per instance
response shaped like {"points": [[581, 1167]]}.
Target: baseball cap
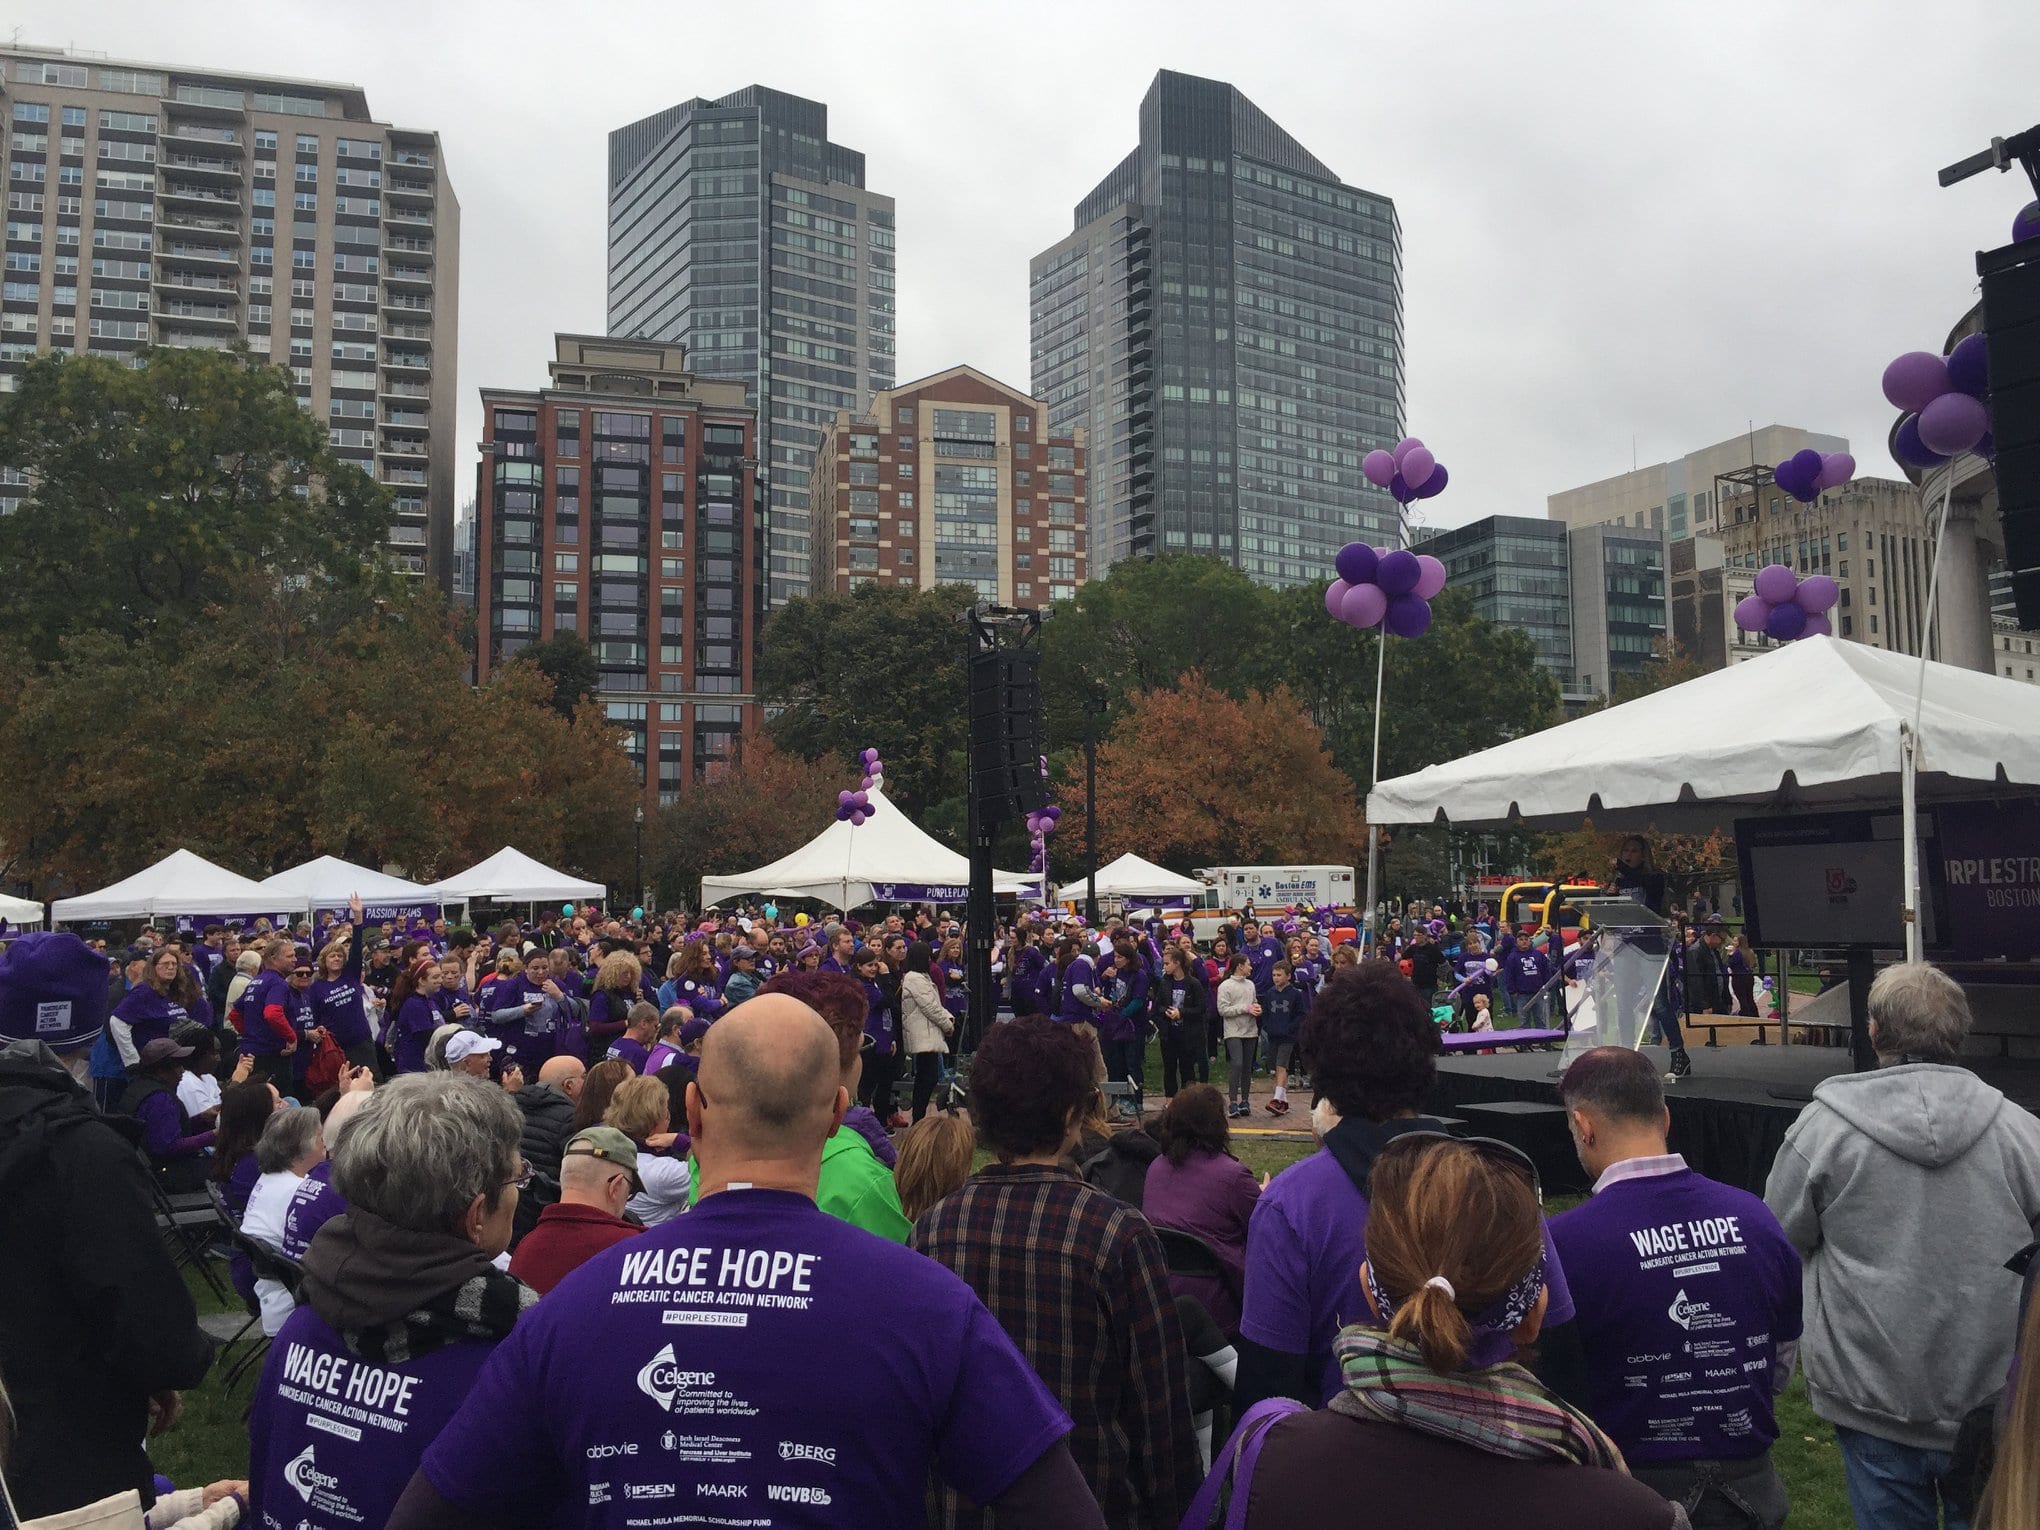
{"points": [[162, 1049], [465, 1044], [52, 990], [692, 1030], [744, 954], [606, 1143]]}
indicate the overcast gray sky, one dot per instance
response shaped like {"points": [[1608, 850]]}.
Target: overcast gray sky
{"points": [[1620, 220]]}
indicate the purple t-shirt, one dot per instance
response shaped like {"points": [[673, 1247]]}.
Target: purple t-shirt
{"points": [[1082, 973], [416, 1021], [147, 1014], [333, 1439], [1686, 1289], [1262, 955], [731, 1367], [1305, 1244], [312, 1205], [631, 1052]]}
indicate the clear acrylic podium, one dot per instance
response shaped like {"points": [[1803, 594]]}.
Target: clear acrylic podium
{"points": [[1611, 1003]]}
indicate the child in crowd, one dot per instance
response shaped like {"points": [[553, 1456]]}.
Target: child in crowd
{"points": [[1282, 1026], [1239, 1009]]}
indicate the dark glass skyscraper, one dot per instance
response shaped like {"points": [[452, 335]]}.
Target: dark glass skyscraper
{"points": [[1226, 322], [737, 227]]}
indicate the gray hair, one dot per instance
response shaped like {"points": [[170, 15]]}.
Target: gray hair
{"points": [[286, 1137], [424, 1146], [1918, 1011]]}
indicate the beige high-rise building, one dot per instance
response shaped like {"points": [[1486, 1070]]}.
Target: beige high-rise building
{"points": [[147, 205], [1679, 497]]}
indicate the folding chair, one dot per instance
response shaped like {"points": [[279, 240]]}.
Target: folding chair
{"points": [[269, 1265], [228, 1229], [189, 1223]]}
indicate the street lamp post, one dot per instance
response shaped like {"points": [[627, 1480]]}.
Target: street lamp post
{"points": [[1094, 708], [639, 818]]}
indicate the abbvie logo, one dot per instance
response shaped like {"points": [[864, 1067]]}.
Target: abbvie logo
{"points": [[303, 1474]]}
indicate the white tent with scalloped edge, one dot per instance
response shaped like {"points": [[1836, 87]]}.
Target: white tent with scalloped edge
{"points": [[511, 876], [328, 882], [1132, 877], [886, 859], [180, 883]]}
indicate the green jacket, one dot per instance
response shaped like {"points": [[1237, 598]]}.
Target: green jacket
{"points": [[855, 1187]]}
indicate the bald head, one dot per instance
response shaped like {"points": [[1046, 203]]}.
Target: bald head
{"points": [[563, 1073], [768, 1079]]}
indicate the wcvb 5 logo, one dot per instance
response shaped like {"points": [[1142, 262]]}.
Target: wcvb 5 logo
{"points": [[1839, 883]]}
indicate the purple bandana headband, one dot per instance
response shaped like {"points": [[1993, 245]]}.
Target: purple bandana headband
{"points": [[1504, 1315]]}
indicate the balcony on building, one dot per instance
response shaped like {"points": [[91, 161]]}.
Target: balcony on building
{"points": [[202, 172], [407, 276], [205, 103], [216, 284], [403, 446], [400, 330], [403, 390], [397, 477], [406, 361], [208, 314], [201, 138], [408, 187], [407, 303], [409, 419], [185, 219], [396, 244]]}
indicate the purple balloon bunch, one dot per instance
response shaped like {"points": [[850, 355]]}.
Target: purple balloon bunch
{"points": [[1389, 588], [2026, 223], [1805, 474], [1409, 472], [854, 807], [1043, 820], [1785, 606], [1946, 399]]}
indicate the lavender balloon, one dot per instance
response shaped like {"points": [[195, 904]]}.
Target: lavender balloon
{"points": [[1355, 563], [1335, 595], [1379, 466], [1432, 580], [1404, 447], [1417, 466], [1399, 572], [844, 799], [1915, 380], [1785, 623], [1817, 592], [1776, 584], [1818, 625], [864, 783], [1365, 604], [1409, 616], [1836, 469], [1953, 423], [1908, 448], [1435, 485], [1751, 612]]}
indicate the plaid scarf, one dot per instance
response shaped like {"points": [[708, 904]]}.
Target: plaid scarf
{"points": [[485, 1306], [1503, 1410]]}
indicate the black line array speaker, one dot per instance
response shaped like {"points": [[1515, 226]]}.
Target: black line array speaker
{"points": [[1005, 732], [2011, 329]]}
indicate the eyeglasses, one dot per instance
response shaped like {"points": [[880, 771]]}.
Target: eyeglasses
{"points": [[1493, 1148], [524, 1175]]}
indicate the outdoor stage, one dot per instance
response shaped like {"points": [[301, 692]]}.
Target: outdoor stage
{"points": [[1726, 1119]]}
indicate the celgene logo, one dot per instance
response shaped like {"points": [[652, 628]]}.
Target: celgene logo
{"points": [[662, 1379], [303, 1474], [789, 1450], [1684, 1312]]}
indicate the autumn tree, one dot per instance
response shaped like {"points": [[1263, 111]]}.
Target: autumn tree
{"points": [[155, 490], [568, 664], [1689, 861], [770, 803], [1669, 665], [294, 721], [881, 667], [1190, 776]]}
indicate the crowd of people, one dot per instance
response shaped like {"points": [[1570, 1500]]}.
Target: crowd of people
{"points": [[706, 1221]]}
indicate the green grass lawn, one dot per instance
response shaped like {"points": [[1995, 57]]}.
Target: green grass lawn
{"points": [[211, 1440]]}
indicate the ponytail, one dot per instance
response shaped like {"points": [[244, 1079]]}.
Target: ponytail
{"points": [[1431, 1320]]}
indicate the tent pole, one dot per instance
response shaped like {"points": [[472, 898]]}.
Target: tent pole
{"points": [[1367, 930], [1909, 739]]}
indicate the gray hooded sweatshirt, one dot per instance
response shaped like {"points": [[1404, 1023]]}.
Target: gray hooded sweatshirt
{"points": [[1905, 1191]]}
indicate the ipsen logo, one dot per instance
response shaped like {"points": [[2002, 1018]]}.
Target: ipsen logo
{"points": [[303, 1474], [662, 1379], [790, 1450]]}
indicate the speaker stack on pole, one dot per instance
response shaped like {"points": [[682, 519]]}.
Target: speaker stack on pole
{"points": [[1005, 775], [2011, 331]]}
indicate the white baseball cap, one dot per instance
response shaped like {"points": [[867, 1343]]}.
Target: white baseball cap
{"points": [[465, 1044]]}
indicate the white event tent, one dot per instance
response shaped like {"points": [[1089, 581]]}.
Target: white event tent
{"points": [[1819, 723], [180, 883], [328, 882], [887, 859], [1132, 877], [511, 876], [20, 911]]}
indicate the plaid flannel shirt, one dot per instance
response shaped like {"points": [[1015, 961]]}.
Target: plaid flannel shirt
{"points": [[1078, 1280]]}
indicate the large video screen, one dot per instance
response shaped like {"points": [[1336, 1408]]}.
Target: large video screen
{"points": [[1831, 879]]}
